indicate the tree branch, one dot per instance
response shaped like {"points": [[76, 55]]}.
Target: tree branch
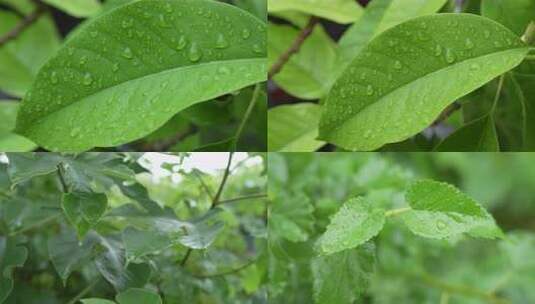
{"points": [[23, 24], [242, 198], [294, 48]]}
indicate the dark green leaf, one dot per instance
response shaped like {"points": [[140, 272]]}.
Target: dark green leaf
{"points": [[12, 255], [477, 136], [84, 210]]}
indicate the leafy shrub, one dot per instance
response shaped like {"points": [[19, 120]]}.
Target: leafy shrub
{"points": [[402, 77], [386, 228], [99, 226], [165, 75]]}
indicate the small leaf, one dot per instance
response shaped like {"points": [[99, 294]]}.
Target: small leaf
{"points": [[138, 296], [341, 11], [342, 277], [12, 255], [441, 210], [77, 8], [139, 243], [84, 210], [395, 86], [354, 224], [294, 128], [479, 135], [165, 57]]}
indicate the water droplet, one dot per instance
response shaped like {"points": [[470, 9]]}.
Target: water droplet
{"points": [[75, 132], [168, 8], [88, 79], [163, 22], [257, 48], [474, 67], [450, 57], [438, 50], [223, 70], [469, 44], [127, 53], [221, 42], [83, 60], [441, 225], [182, 42], [127, 23], [370, 90], [397, 65], [194, 53], [115, 67], [54, 77], [246, 33], [368, 134]]}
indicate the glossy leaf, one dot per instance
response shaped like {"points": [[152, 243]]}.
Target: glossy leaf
{"points": [[341, 11], [355, 223], [84, 210], [343, 276], [440, 210], [396, 86], [477, 136], [111, 262], [77, 8], [306, 73], [103, 90], [515, 15], [294, 128], [9, 141], [138, 296], [12, 255]]}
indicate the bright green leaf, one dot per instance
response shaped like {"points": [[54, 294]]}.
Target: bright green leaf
{"points": [[103, 90], [138, 296], [11, 142], [294, 128], [77, 8], [354, 224], [400, 82], [477, 136], [341, 11]]}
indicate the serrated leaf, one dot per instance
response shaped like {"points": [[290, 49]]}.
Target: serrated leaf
{"points": [[294, 128], [84, 210], [395, 86], [12, 255], [139, 243], [515, 15], [341, 11], [306, 73], [343, 276], [9, 141], [77, 8], [440, 210], [103, 90], [138, 296], [477, 136], [355, 223]]}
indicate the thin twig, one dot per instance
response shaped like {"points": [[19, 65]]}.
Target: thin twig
{"points": [[64, 187], [294, 48], [204, 185], [23, 24], [241, 198], [248, 112]]}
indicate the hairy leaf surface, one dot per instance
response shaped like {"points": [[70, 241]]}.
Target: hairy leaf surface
{"points": [[401, 81], [106, 87]]}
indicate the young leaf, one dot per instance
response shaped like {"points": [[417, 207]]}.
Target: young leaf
{"points": [[294, 128], [12, 255], [341, 11], [103, 89], [77, 8], [401, 82], [84, 210], [354, 224], [440, 210], [9, 141], [479, 135], [138, 296], [343, 276]]}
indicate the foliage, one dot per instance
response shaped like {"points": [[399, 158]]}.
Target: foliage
{"points": [[385, 228], [152, 75], [101, 228], [406, 75]]}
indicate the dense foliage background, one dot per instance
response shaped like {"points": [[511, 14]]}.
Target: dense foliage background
{"points": [[184, 232], [397, 266]]}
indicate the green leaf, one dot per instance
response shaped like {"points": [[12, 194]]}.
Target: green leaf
{"points": [[379, 16], [138, 296], [20, 59], [294, 128], [395, 87], [77, 8], [515, 15], [24, 166], [440, 210], [110, 262], [291, 218], [139, 243], [11, 142], [343, 276], [103, 90], [525, 85], [477, 136], [202, 231], [12, 255], [303, 75], [354, 224], [96, 301], [84, 210], [341, 11]]}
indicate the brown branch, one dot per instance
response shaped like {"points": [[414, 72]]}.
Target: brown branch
{"points": [[23, 24], [296, 46]]}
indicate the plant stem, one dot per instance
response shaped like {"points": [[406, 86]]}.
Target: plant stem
{"points": [[529, 34], [395, 212], [84, 292], [204, 185], [64, 187], [23, 25], [294, 48], [241, 198], [498, 93], [248, 112]]}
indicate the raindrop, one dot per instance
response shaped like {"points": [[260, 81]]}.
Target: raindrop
{"points": [[223, 70], [246, 34], [163, 22], [397, 65], [88, 79], [469, 44], [441, 225], [93, 34], [75, 132], [438, 50], [450, 57], [182, 42], [115, 67], [369, 90], [194, 53], [83, 60], [54, 77], [257, 48], [221, 42], [168, 8], [127, 53], [474, 67], [486, 34]]}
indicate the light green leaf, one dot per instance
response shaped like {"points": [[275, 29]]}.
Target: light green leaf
{"points": [[20, 59], [11, 142], [354, 224], [102, 90], [400, 83], [379, 16], [77, 8], [440, 210], [139, 243], [138, 296], [306, 73], [201, 232], [96, 301], [515, 15], [12, 255], [477, 136], [84, 210], [343, 276], [341, 11], [294, 128]]}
